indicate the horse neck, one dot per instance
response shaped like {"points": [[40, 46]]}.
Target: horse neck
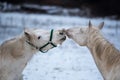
{"points": [[95, 40], [103, 52], [27, 49], [17, 48], [95, 44]]}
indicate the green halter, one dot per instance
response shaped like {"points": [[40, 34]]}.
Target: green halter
{"points": [[49, 42]]}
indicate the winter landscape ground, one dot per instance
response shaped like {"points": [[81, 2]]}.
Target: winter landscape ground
{"points": [[66, 62]]}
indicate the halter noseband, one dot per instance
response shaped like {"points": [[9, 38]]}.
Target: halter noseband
{"points": [[49, 42]]}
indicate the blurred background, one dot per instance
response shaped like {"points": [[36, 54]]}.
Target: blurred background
{"points": [[68, 61], [88, 8]]}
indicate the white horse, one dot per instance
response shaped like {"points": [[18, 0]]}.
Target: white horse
{"points": [[106, 56], [15, 53]]}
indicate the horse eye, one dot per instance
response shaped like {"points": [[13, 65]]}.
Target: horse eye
{"points": [[39, 37], [61, 33]]}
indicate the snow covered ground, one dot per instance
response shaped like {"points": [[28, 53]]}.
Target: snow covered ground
{"points": [[66, 62]]}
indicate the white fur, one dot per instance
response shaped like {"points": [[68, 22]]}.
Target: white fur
{"points": [[106, 56], [15, 53]]}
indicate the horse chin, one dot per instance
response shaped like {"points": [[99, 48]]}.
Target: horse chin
{"points": [[46, 49], [59, 44], [62, 40]]}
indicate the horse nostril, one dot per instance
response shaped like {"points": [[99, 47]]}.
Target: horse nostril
{"points": [[68, 33], [61, 33], [63, 30], [68, 30]]}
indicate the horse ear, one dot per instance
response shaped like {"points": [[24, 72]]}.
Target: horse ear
{"points": [[100, 26], [27, 33], [90, 24]]}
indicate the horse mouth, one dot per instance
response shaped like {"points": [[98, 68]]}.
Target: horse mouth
{"points": [[68, 34], [63, 39]]}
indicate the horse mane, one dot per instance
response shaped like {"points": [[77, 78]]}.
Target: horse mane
{"points": [[11, 47], [7, 41], [104, 49]]}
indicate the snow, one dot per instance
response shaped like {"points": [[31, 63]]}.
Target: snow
{"points": [[66, 62]]}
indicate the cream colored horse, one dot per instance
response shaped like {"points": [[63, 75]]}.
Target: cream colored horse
{"points": [[106, 56], [15, 53]]}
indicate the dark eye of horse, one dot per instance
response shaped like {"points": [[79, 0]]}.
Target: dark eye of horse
{"points": [[39, 37], [61, 33]]}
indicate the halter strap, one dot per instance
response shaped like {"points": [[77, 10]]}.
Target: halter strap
{"points": [[49, 42]]}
